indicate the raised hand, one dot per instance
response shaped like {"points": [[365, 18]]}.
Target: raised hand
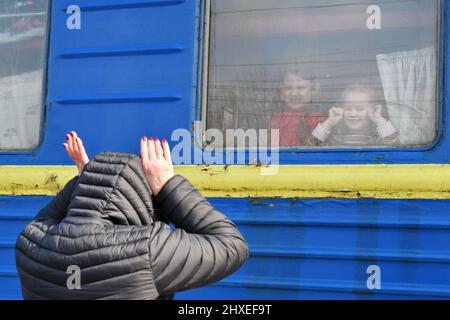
{"points": [[75, 149], [375, 115], [156, 162], [335, 115]]}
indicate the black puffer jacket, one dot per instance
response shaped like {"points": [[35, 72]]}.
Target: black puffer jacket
{"points": [[104, 222]]}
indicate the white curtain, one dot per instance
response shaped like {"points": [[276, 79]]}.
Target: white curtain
{"points": [[409, 85], [20, 111]]}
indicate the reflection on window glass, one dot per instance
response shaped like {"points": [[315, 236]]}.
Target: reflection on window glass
{"points": [[22, 56], [325, 73]]}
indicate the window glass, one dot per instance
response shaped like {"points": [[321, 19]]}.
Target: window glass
{"points": [[325, 73], [23, 26]]}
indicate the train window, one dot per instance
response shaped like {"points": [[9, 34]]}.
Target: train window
{"points": [[23, 28], [325, 73]]}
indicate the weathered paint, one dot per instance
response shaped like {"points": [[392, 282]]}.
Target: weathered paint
{"points": [[321, 181]]}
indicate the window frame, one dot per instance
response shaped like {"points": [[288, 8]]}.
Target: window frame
{"points": [[44, 87], [441, 44]]}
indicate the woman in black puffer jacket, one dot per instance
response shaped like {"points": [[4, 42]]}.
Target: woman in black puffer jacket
{"points": [[111, 223]]}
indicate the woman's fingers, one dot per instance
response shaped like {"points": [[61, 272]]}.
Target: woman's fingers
{"points": [[144, 151], [69, 147], [74, 147], [83, 154], [75, 143], [166, 150], [80, 146], [69, 144], [158, 149], [151, 149]]}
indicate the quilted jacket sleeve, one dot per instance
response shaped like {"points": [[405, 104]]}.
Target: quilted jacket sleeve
{"points": [[204, 247], [57, 208]]}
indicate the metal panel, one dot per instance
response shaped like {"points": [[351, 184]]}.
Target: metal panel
{"points": [[132, 64], [307, 248]]}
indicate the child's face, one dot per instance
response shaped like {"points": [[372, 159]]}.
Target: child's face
{"points": [[356, 110], [296, 92]]}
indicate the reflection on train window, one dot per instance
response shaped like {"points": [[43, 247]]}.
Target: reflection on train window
{"points": [[22, 56], [325, 73]]}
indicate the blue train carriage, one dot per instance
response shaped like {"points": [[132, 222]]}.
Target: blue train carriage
{"points": [[337, 211]]}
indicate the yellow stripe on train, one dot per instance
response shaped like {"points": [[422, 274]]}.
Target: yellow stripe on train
{"points": [[286, 181]]}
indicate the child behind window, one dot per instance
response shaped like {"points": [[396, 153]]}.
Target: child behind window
{"points": [[358, 123], [298, 116]]}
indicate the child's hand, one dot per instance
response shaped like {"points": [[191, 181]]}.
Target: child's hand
{"points": [[335, 115], [156, 162], [375, 115], [75, 149]]}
